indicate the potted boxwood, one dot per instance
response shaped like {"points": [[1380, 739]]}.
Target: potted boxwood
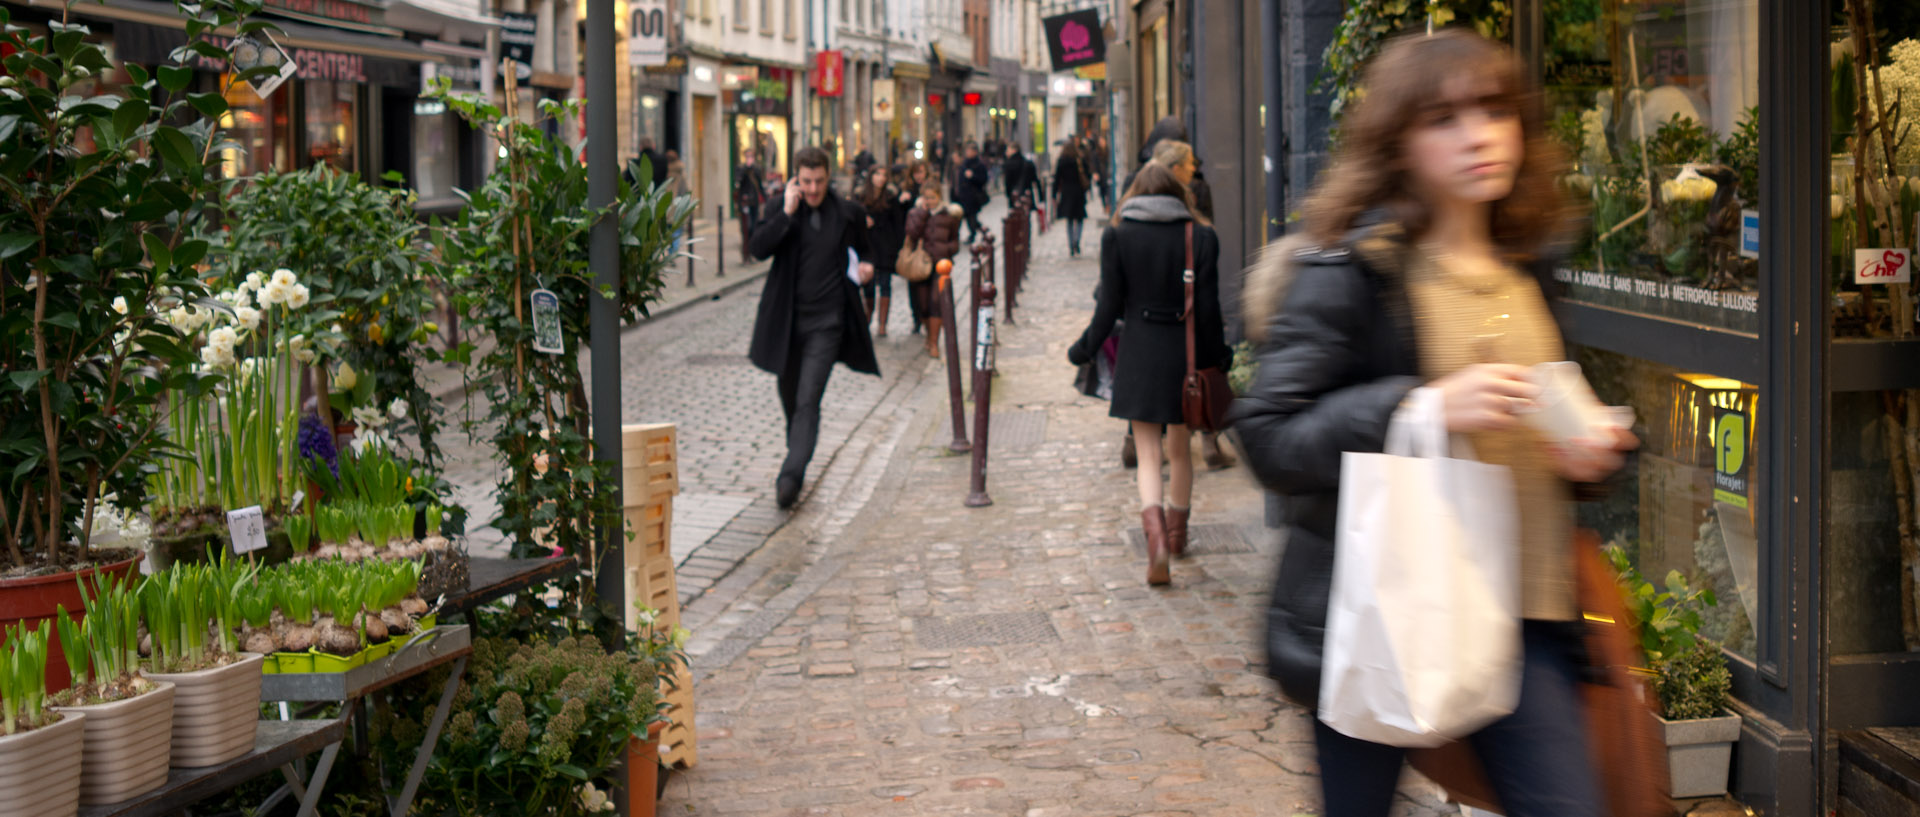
{"points": [[129, 718], [217, 688], [39, 748], [1691, 683]]}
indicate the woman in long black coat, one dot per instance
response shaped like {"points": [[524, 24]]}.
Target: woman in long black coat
{"points": [[886, 207], [1070, 183], [1142, 258]]}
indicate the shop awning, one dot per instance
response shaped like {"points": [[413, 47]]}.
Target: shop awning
{"points": [[445, 19], [911, 70], [147, 32]]}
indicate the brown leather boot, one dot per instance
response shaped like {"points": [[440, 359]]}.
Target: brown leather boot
{"points": [[1154, 522], [1129, 456], [1177, 530]]}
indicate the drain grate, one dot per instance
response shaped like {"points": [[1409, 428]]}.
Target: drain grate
{"points": [[718, 360], [1202, 540], [984, 630], [1017, 429]]}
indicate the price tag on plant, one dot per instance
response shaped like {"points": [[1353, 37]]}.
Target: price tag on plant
{"points": [[546, 322], [248, 527]]}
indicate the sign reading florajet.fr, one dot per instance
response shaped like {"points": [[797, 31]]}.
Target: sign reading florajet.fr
{"points": [[1075, 39], [1730, 456]]}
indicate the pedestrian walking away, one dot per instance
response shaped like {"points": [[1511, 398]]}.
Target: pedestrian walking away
{"points": [[1436, 217], [810, 314], [1070, 182], [971, 191], [750, 192], [1178, 157], [886, 207], [1022, 178], [934, 227], [1156, 239]]}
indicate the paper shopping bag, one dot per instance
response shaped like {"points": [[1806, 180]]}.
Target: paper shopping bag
{"points": [[1423, 627]]}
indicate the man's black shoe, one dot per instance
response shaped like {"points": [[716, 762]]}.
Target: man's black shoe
{"points": [[786, 491]]}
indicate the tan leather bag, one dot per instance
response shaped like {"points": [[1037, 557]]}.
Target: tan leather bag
{"points": [[1632, 759], [913, 263]]}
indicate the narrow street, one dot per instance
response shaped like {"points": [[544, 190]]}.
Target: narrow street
{"points": [[890, 651]]}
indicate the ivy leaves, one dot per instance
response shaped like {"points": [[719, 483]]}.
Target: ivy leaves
{"points": [[1368, 24]]}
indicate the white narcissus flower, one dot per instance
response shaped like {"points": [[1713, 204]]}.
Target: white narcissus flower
{"points": [[284, 277], [305, 355], [297, 296], [120, 304], [223, 337], [202, 318], [217, 357], [369, 417], [398, 409], [255, 280], [181, 319], [247, 317], [274, 294]]}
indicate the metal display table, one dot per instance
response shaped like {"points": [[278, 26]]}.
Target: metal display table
{"points": [[496, 578], [446, 644], [277, 744]]}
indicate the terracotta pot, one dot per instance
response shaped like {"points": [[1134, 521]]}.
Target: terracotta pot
{"points": [[40, 770], [31, 601], [215, 711], [643, 773], [127, 746]]}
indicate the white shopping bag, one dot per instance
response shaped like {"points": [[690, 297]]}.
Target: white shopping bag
{"points": [[1423, 628]]}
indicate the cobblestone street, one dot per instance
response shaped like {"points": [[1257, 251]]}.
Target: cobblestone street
{"points": [[891, 652]]}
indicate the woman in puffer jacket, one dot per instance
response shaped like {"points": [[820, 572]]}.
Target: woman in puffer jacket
{"points": [[1425, 269], [934, 227]]}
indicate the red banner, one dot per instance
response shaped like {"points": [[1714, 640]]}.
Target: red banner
{"points": [[829, 71]]}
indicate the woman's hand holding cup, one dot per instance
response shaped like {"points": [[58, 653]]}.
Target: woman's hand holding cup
{"points": [[1485, 396]]}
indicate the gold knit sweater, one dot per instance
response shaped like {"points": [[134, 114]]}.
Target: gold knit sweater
{"points": [[1500, 316]]}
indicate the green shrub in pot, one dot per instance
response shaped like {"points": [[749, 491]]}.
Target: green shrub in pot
{"points": [[1691, 679]]}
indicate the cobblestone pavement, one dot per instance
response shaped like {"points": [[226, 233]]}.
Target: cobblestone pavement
{"points": [[890, 652]]}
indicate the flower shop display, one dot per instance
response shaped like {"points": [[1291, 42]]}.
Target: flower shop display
{"points": [[331, 615], [129, 718], [371, 503], [192, 613], [39, 747]]}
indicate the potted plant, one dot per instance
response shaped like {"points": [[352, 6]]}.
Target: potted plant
{"points": [[217, 688], [1691, 683], [129, 718], [39, 748]]}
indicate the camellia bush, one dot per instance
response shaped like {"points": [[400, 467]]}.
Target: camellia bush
{"points": [[525, 229], [100, 195]]}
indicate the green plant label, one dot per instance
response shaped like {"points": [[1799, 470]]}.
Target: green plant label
{"points": [[546, 322], [248, 527]]}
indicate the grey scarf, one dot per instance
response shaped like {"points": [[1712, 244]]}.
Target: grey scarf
{"points": [[1155, 208]]}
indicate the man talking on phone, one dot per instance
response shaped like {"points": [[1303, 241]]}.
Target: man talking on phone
{"points": [[810, 311]]}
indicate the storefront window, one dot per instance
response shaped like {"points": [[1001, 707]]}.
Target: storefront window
{"points": [[332, 120], [1690, 497], [258, 125], [436, 149], [1656, 104], [1875, 180]]}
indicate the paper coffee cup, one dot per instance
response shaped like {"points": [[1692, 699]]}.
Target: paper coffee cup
{"points": [[1566, 408]]}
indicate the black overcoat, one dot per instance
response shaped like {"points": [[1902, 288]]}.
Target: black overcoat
{"points": [[889, 230], [778, 237], [1140, 280], [1070, 183]]}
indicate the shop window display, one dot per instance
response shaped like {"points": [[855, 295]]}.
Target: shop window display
{"points": [[1690, 497], [1656, 105], [332, 120], [258, 126]]}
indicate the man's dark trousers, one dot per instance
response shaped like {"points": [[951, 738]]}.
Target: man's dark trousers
{"points": [[749, 219], [803, 381]]}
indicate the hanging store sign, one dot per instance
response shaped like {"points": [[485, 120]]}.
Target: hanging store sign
{"points": [[259, 50], [829, 72], [1075, 39], [345, 11], [646, 33], [517, 35], [154, 45], [883, 99]]}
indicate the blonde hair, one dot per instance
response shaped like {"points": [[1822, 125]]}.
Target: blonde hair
{"points": [[1169, 153]]}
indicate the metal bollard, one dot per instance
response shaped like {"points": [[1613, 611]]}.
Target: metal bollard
{"points": [[943, 292], [982, 372], [720, 240]]}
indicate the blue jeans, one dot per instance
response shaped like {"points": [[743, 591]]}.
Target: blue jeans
{"points": [[1537, 758], [1073, 232]]}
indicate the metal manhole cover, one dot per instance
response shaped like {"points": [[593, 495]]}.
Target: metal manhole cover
{"points": [[718, 360], [984, 630], [1202, 540], [1017, 429]]}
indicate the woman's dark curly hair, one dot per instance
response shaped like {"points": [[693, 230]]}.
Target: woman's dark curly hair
{"points": [[1409, 78]]}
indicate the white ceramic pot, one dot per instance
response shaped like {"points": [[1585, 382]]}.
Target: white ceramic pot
{"points": [[1699, 752], [215, 711], [128, 745], [40, 770]]}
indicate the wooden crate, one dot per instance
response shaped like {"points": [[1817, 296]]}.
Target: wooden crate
{"points": [[678, 744], [652, 526], [652, 584], [650, 463]]}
